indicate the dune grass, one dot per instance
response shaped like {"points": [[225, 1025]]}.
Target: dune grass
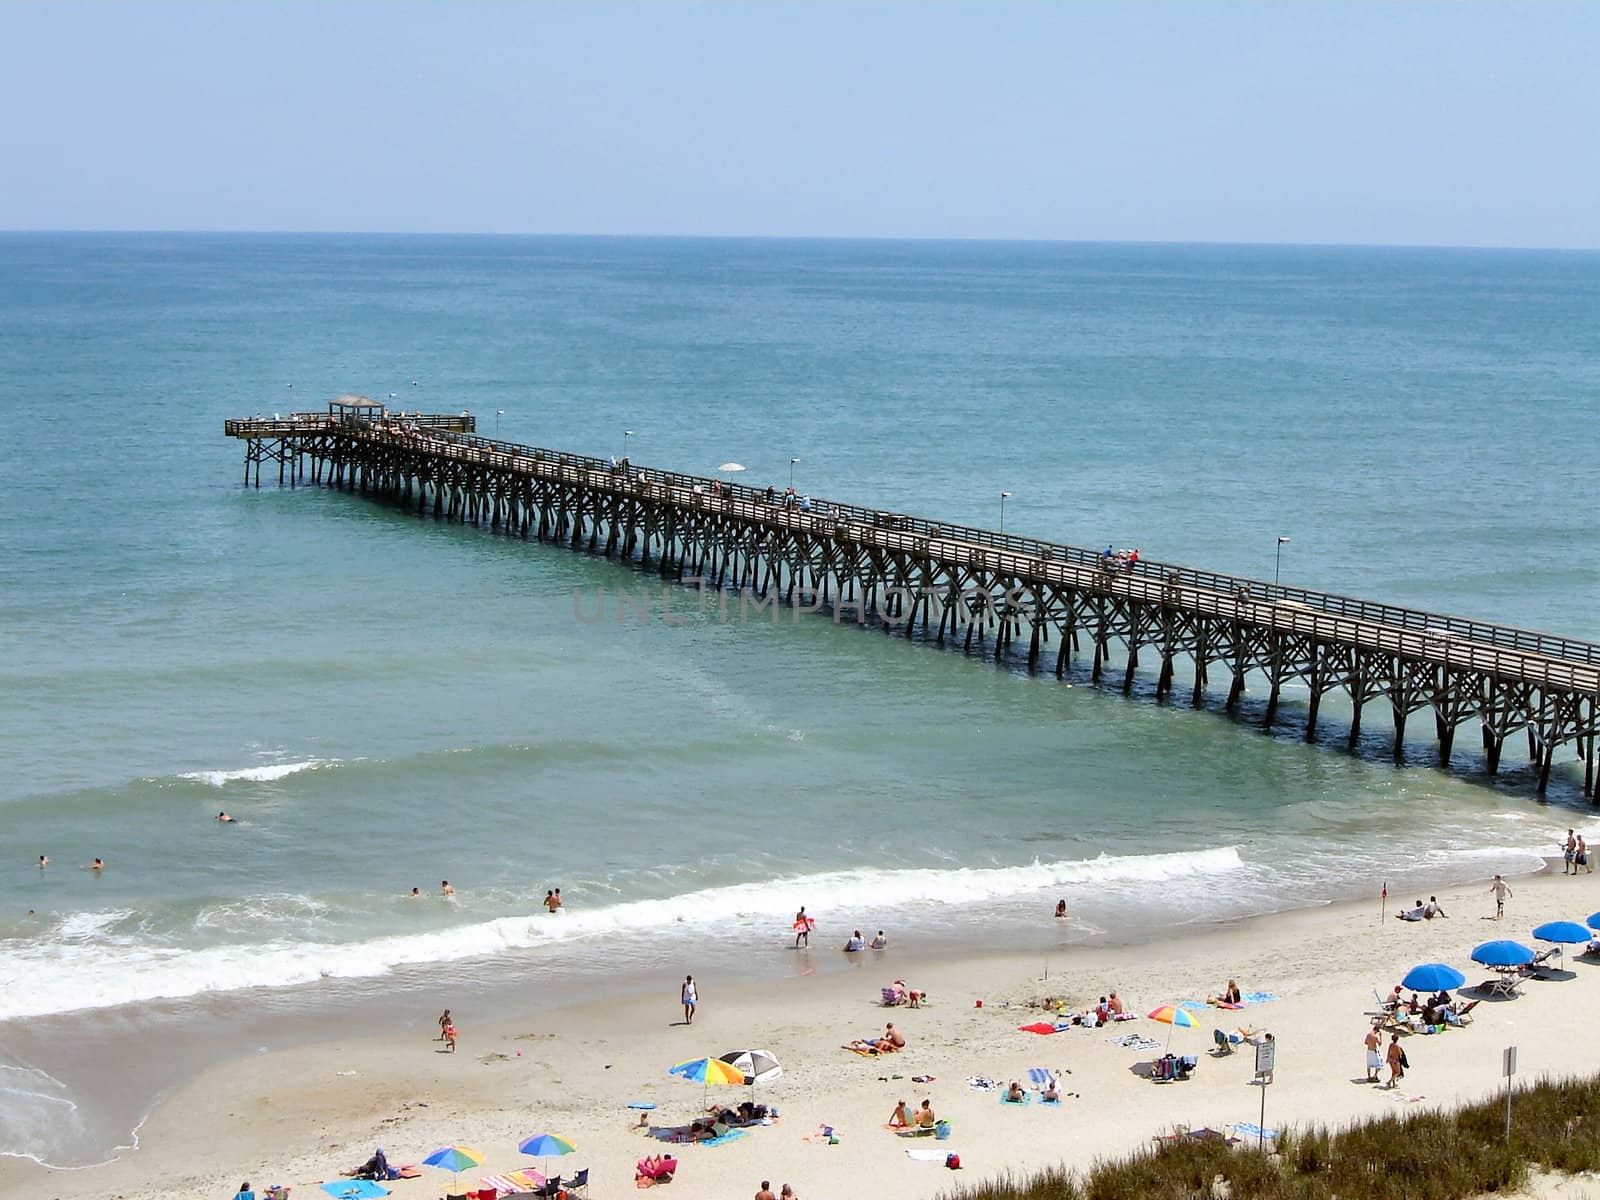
{"points": [[1426, 1155]]}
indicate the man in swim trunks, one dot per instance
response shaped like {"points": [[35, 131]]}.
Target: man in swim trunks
{"points": [[445, 889], [691, 997], [925, 1117], [1501, 892], [802, 928]]}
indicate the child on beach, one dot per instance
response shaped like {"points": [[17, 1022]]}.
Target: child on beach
{"points": [[901, 1117], [450, 1038]]}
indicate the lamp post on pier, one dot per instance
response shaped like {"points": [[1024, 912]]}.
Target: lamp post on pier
{"points": [[792, 463], [626, 434], [1004, 496], [498, 413], [1277, 566]]}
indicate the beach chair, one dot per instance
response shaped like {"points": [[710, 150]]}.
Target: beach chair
{"points": [[579, 1182], [551, 1188], [1224, 1044], [1539, 960]]}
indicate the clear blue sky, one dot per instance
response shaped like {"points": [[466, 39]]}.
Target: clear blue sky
{"points": [[1462, 124]]}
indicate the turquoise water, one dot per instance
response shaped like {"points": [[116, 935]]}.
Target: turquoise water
{"points": [[385, 702]]}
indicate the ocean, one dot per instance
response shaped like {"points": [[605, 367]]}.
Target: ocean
{"points": [[385, 702]]}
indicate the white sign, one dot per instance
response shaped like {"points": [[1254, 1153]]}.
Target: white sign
{"points": [[1266, 1056], [1510, 1061]]}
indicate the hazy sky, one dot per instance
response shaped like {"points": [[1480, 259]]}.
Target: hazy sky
{"points": [[1466, 124]]}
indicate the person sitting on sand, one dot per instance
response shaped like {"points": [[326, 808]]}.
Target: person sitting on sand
{"points": [[900, 1118], [1415, 913], [893, 1037], [1230, 995], [1115, 1005], [1051, 1093], [1015, 1094], [1434, 909], [853, 943], [925, 1117], [244, 1192]]}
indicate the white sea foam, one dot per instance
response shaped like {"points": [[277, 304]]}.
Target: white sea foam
{"points": [[266, 774], [94, 967]]}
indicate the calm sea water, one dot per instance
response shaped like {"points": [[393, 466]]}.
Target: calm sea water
{"points": [[385, 702]]}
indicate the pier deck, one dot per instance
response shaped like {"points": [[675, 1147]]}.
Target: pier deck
{"points": [[896, 569]]}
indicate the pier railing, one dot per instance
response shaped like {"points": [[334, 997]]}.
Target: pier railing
{"points": [[1451, 641]]}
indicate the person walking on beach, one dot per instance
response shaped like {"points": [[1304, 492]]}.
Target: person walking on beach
{"points": [[444, 1023], [1581, 859], [766, 1191], [1569, 854], [1397, 1061], [691, 997], [1501, 894], [802, 928], [1374, 1044], [450, 1038]]}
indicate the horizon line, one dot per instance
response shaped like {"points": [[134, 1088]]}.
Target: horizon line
{"points": [[803, 237]]}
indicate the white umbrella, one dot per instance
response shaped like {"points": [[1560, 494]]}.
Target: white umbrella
{"points": [[731, 467], [759, 1066]]}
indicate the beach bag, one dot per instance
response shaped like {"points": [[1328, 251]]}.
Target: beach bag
{"points": [[953, 1161], [941, 1131], [1405, 1063]]}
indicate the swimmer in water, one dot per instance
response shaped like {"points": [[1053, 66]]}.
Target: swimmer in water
{"points": [[97, 865], [416, 894], [44, 861], [445, 889], [225, 818]]}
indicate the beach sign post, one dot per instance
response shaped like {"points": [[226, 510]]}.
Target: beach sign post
{"points": [[1510, 1068], [1383, 902], [1266, 1063]]}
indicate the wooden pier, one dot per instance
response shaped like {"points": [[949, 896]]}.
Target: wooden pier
{"points": [[1008, 595]]}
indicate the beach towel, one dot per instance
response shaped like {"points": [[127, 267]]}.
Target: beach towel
{"points": [[1246, 1129], [514, 1183], [1040, 1077], [1041, 1027], [411, 1172], [1135, 1041], [929, 1156], [982, 1083], [1258, 997], [354, 1189], [722, 1139]]}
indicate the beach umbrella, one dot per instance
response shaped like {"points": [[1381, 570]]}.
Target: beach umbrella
{"points": [[543, 1145], [1502, 954], [454, 1159], [709, 1072], [1171, 1015], [1433, 977], [759, 1066], [730, 467], [1568, 932], [1594, 920]]}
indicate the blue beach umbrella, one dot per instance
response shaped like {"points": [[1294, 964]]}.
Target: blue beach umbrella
{"points": [[1502, 954], [1433, 977], [1594, 920], [1569, 932]]}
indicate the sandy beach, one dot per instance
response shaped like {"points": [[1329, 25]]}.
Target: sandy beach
{"points": [[302, 1116]]}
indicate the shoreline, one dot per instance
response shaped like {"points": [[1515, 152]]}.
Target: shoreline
{"points": [[235, 1119]]}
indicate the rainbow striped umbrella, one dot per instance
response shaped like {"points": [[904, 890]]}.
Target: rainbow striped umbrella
{"points": [[543, 1145], [454, 1159], [1170, 1015], [708, 1071]]}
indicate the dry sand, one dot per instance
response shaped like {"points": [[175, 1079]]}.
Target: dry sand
{"points": [[301, 1116]]}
